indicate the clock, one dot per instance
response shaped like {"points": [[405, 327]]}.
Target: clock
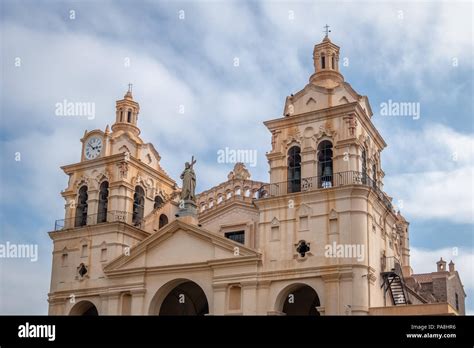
{"points": [[93, 147]]}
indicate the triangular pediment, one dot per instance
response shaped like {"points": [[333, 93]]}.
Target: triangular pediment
{"points": [[179, 243]]}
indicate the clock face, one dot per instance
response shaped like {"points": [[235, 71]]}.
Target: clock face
{"points": [[93, 147]]}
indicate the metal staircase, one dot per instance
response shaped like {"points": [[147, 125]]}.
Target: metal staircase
{"points": [[393, 281]]}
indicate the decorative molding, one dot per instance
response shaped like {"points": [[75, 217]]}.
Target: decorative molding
{"points": [[333, 215], [323, 131]]}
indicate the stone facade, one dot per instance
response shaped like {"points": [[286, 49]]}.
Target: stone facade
{"points": [[321, 238]]}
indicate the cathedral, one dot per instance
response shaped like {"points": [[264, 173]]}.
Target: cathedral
{"points": [[321, 237]]}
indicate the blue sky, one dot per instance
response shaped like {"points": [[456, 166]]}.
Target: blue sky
{"points": [[402, 51]]}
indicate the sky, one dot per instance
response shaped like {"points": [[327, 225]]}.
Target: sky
{"points": [[206, 75]]}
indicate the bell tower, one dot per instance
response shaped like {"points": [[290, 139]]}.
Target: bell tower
{"points": [[126, 114], [326, 63]]}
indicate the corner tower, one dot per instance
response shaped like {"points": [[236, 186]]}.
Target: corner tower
{"points": [[326, 192]]}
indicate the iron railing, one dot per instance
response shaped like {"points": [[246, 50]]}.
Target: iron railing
{"points": [[93, 219], [391, 264], [321, 183]]}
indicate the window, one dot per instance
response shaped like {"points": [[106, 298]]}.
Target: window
{"points": [[103, 254], [64, 260], [84, 250], [138, 206], [121, 115], [364, 167], [294, 170], [163, 221], [81, 209], [129, 116], [82, 270], [323, 62], [238, 236], [302, 248], [303, 223], [275, 231], [158, 202], [333, 63], [325, 164], [103, 201], [457, 301]]}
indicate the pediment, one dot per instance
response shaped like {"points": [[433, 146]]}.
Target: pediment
{"points": [[179, 243], [304, 210]]}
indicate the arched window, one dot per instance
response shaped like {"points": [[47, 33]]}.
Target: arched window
{"points": [[294, 169], [364, 166], [129, 116], [121, 115], [333, 60], [374, 173], [158, 202], [325, 164], [81, 209], [163, 221], [323, 62], [138, 205], [103, 200]]}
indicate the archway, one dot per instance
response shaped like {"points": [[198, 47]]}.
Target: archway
{"points": [[299, 299], [180, 297], [85, 308]]}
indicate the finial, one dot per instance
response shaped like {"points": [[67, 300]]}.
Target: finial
{"points": [[129, 92], [107, 130], [326, 31]]}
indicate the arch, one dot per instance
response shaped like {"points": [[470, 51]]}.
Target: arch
{"points": [[294, 169], [237, 191], [158, 202], [247, 191], [138, 205], [179, 297], [323, 61], [325, 165], [103, 202], [163, 221], [298, 299], [81, 208], [129, 116], [86, 308]]}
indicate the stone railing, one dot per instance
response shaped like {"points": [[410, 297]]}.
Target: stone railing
{"points": [[229, 191]]}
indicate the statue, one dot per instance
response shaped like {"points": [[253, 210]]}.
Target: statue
{"points": [[189, 182]]}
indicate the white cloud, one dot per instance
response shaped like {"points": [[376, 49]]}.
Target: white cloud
{"points": [[424, 261], [435, 173], [224, 105]]}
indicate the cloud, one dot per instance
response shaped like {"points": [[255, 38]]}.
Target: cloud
{"points": [[433, 173], [190, 63], [424, 261]]}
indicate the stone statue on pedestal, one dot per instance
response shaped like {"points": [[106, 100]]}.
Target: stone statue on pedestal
{"points": [[187, 204], [189, 182]]}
